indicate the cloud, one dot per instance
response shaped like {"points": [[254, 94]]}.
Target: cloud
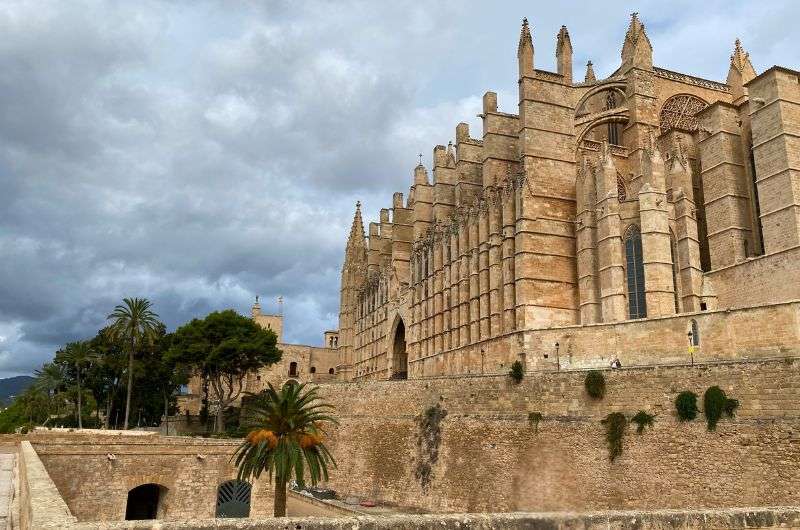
{"points": [[198, 153]]}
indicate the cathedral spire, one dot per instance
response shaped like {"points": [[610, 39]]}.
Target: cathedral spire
{"points": [[564, 54], [525, 50], [356, 249], [637, 51], [590, 77], [740, 72]]}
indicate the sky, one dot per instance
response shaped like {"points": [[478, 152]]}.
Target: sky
{"points": [[199, 153]]}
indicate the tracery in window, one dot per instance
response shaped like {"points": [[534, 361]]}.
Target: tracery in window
{"points": [[679, 112]]}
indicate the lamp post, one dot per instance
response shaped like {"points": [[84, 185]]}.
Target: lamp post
{"points": [[558, 359], [691, 346]]}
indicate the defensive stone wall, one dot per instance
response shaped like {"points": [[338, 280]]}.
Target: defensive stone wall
{"points": [[467, 444], [41, 505], [753, 518], [93, 473]]}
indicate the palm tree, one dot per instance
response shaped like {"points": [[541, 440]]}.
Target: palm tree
{"points": [[286, 438], [78, 355], [135, 324], [49, 380]]}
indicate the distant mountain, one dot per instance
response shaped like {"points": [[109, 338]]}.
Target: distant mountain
{"points": [[13, 386]]}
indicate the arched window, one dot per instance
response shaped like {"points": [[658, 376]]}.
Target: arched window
{"points": [[637, 306], [613, 127], [233, 499], [330, 371], [622, 192], [313, 369], [695, 333], [292, 369], [673, 250], [679, 112]]}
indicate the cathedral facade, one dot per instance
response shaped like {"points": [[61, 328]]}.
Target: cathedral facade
{"points": [[651, 217]]}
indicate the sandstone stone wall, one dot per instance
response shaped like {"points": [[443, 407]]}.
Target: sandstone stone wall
{"points": [[754, 518], [95, 487], [759, 280], [492, 458], [752, 333]]}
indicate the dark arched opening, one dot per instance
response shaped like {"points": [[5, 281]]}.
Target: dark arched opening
{"points": [[330, 371], [144, 502], [399, 353], [233, 499], [292, 369]]}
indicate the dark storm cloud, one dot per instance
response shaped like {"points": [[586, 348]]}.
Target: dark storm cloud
{"points": [[200, 152]]}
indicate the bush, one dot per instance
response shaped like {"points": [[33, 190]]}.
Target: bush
{"points": [[642, 420], [615, 424], [686, 405], [534, 418], [595, 384], [715, 404], [516, 372], [730, 407]]}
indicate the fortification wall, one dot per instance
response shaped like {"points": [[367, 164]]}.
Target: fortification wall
{"points": [[491, 458], [95, 487], [771, 330]]}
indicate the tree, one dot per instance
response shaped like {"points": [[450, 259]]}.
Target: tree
{"points": [[135, 324], [77, 355], [286, 438], [50, 381], [222, 348], [104, 377], [164, 372]]}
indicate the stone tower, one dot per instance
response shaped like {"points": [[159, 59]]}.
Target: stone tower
{"points": [[353, 270]]}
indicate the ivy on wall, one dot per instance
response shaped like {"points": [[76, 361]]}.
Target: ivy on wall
{"points": [[615, 424], [595, 384], [715, 404], [429, 438]]}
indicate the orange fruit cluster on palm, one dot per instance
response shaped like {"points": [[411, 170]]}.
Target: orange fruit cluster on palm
{"points": [[310, 439], [261, 435]]}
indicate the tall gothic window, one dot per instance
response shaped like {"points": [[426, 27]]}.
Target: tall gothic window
{"points": [[673, 249], [637, 306], [613, 127]]}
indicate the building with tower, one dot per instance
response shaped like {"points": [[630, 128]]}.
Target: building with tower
{"points": [[651, 217]]}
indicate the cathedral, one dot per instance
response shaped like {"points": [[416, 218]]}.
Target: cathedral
{"points": [[648, 218]]}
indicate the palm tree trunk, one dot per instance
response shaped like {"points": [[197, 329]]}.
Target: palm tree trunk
{"points": [[130, 387], [219, 421], [166, 410], [279, 509], [109, 403], [80, 412]]}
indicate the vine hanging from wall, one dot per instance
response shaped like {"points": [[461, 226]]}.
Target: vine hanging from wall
{"points": [[715, 404], [429, 437], [642, 419], [615, 424], [516, 373], [686, 405], [595, 384]]}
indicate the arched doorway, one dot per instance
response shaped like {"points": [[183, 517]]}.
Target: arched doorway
{"points": [[399, 353], [233, 499], [144, 502]]}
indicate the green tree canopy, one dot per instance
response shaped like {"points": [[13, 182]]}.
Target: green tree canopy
{"points": [[222, 348], [136, 325]]}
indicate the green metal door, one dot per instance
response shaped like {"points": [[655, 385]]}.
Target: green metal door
{"points": [[233, 499]]}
